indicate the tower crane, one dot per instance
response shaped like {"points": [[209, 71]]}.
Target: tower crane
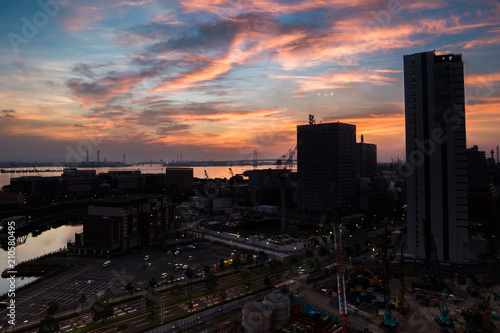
{"points": [[339, 260], [401, 304], [389, 319], [281, 164]]}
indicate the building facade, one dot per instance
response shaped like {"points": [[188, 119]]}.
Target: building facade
{"points": [[326, 166], [117, 224], [436, 169], [366, 157]]}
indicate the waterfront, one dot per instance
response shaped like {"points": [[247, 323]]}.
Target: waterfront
{"points": [[49, 241], [198, 172]]}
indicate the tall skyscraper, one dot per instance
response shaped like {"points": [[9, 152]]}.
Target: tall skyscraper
{"points": [[326, 157], [435, 156]]}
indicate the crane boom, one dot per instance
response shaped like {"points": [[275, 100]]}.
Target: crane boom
{"points": [[339, 260]]}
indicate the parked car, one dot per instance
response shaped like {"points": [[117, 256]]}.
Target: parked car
{"points": [[191, 247], [190, 258], [177, 252], [146, 257], [164, 275]]}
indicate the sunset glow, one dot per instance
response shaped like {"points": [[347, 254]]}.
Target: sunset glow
{"points": [[217, 79]]}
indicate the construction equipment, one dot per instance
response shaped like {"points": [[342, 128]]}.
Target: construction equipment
{"points": [[374, 280], [281, 164], [389, 319], [444, 318], [340, 272], [401, 304]]}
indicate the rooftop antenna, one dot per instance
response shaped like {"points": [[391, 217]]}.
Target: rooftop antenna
{"points": [[362, 138], [312, 120], [497, 154]]}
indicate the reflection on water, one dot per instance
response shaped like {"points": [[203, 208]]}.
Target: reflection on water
{"points": [[46, 242]]}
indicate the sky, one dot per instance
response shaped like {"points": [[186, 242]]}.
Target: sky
{"points": [[217, 79]]}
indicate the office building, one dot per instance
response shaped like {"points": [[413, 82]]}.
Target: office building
{"points": [[179, 178], [476, 169], [436, 174], [120, 223], [366, 159], [326, 166]]}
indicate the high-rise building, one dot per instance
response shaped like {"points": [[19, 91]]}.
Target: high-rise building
{"points": [[326, 166], [366, 158], [436, 174], [476, 168]]}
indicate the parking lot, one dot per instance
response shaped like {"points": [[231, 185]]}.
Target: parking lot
{"points": [[89, 276]]}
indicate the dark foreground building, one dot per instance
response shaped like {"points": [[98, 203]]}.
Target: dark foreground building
{"points": [[436, 178]]}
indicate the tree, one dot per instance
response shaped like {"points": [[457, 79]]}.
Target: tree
{"points": [[48, 324], [152, 314], [323, 251], [211, 281], [189, 274], [171, 278], [129, 287], [190, 304], [267, 282], [274, 264], [309, 253], [349, 251], [325, 239], [294, 260], [52, 308], [244, 274], [247, 286], [177, 291], [102, 309], [152, 282], [357, 247], [206, 268], [249, 259], [82, 299], [223, 295], [236, 263], [122, 327]]}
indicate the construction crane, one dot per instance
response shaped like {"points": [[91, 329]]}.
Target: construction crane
{"points": [[389, 319], [339, 260], [481, 309], [281, 164], [443, 318], [401, 304], [230, 172], [206, 174]]}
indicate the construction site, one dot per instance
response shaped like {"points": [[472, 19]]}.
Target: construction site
{"points": [[388, 295]]}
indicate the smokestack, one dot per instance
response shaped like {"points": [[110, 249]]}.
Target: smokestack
{"points": [[87, 159], [98, 155]]}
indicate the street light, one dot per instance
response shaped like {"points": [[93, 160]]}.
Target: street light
{"points": [[76, 285]]}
